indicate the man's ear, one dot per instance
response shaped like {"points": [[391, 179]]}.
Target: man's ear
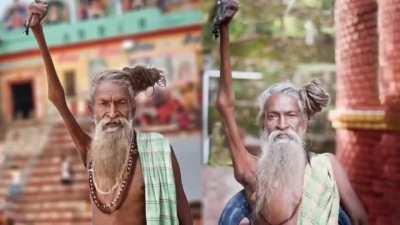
{"points": [[303, 126]]}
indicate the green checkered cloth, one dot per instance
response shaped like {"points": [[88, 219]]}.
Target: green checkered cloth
{"points": [[155, 159], [320, 201]]}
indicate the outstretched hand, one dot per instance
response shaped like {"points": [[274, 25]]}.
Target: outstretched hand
{"points": [[225, 10], [37, 11]]}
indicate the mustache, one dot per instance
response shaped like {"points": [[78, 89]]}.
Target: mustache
{"points": [[276, 135], [107, 122]]}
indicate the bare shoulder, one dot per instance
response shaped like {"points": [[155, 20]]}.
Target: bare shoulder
{"points": [[334, 161], [338, 171]]}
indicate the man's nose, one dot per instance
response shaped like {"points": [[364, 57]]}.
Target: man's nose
{"points": [[113, 113], [282, 124]]}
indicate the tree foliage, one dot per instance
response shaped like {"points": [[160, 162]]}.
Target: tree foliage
{"points": [[268, 36], [277, 38]]}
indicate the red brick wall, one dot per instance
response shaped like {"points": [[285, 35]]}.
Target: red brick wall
{"points": [[357, 151], [389, 53], [356, 60], [371, 158], [356, 53], [389, 72]]}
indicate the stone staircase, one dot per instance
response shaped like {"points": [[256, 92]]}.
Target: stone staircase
{"points": [[25, 138], [45, 200]]}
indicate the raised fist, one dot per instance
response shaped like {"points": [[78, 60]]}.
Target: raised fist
{"points": [[37, 11], [225, 11], [223, 14]]}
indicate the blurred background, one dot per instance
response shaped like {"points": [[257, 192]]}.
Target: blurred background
{"points": [[42, 180], [350, 45]]}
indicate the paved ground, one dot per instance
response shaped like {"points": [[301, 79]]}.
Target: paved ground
{"points": [[219, 186], [187, 149]]}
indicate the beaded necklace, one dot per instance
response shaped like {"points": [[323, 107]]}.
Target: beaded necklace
{"points": [[117, 201]]}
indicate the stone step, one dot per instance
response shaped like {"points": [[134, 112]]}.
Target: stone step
{"points": [[54, 197], [55, 170], [59, 147], [55, 179], [46, 189], [57, 206], [56, 160], [45, 200], [54, 217], [49, 183], [16, 160], [57, 154], [58, 223]]}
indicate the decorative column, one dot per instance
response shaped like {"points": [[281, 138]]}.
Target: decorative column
{"points": [[358, 117], [389, 83]]}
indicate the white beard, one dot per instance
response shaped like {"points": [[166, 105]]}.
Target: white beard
{"points": [[109, 152], [280, 168]]}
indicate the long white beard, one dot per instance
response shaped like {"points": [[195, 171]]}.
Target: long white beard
{"points": [[109, 152], [280, 167]]}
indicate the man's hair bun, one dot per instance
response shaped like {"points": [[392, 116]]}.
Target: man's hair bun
{"points": [[142, 77], [314, 97]]}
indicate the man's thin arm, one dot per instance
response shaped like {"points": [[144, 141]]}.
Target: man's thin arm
{"points": [[57, 96], [348, 196], [242, 160], [183, 208]]}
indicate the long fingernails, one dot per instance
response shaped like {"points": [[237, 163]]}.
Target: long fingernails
{"points": [[27, 24]]}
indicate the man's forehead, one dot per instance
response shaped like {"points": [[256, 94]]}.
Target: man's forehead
{"points": [[282, 102], [109, 88]]}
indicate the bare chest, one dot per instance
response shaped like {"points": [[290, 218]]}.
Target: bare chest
{"points": [[132, 210], [282, 209]]}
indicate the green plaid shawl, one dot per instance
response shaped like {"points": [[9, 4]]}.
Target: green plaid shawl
{"points": [[158, 175], [320, 202]]}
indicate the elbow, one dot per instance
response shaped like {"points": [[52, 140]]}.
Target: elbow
{"points": [[223, 104], [220, 105], [240, 176]]}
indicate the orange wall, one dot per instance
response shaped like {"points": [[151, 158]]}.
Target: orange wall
{"points": [[176, 52]]}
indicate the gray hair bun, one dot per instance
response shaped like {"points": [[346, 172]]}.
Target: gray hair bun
{"points": [[314, 97], [142, 77]]}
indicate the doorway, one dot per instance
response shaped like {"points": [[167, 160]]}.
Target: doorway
{"points": [[22, 100]]}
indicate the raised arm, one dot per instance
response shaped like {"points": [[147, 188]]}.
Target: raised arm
{"points": [[243, 162], [37, 11]]}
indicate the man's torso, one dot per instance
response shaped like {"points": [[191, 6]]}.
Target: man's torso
{"points": [[132, 210], [292, 214]]}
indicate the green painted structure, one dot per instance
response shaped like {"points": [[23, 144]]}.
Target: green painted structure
{"points": [[131, 23]]}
